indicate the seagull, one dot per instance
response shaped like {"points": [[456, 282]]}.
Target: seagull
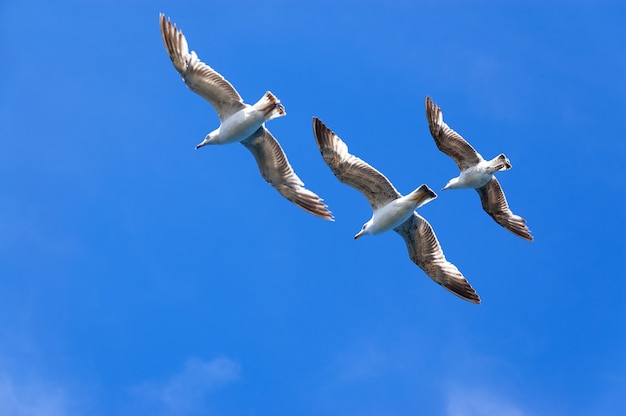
{"points": [[391, 210], [476, 172], [240, 122]]}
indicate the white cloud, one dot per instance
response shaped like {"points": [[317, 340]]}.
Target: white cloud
{"points": [[462, 401], [187, 391], [31, 399]]}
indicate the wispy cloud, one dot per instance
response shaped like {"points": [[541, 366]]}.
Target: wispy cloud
{"points": [[18, 398], [464, 401], [187, 391]]}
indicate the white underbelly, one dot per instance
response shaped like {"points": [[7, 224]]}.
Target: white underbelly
{"points": [[474, 178], [391, 215], [240, 126]]}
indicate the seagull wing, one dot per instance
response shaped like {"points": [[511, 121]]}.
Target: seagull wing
{"points": [[199, 77], [494, 204], [351, 170], [449, 141], [277, 171], [425, 251]]}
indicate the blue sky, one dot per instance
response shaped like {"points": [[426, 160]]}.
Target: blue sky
{"points": [[140, 276]]}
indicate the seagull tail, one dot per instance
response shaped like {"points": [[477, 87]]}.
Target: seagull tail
{"points": [[422, 195], [505, 161], [271, 106]]}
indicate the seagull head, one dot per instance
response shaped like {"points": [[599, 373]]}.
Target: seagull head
{"points": [[207, 140], [451, 184], [364, 230]]}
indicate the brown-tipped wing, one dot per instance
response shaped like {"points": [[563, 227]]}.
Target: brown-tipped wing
{"points": [[449, 141], [494, 204], [199, 77], [425, 251], [277, 171], [351, 170]]}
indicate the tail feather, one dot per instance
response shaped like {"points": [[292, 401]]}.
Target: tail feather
{"points": [[505, 161], [271, 106], [422, 195]]}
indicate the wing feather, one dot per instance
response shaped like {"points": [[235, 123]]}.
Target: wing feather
{"points": [[351, 170], [199, 77], [277, 171], [449, 141], [494, 203], [425, 251]]}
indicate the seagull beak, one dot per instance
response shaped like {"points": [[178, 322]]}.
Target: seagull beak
{"points": [[204, 142], [360, 234]]}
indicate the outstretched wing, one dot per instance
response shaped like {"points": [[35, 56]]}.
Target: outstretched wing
{"points": [[276, 170], [199, 77], [494, 204], [449, 141], [425, 251], [351, 170]]}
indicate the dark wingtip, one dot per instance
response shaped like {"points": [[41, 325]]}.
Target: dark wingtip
{"points": [[320, 132], [432, 116], [520, 229], [317, 124], [327, 215], [466, 292]]}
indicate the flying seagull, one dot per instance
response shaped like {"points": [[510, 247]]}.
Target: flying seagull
{"points": [[240, 122], [476, 172], [391, 210]]}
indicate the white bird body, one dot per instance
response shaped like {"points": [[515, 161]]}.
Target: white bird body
{"points": [[479, 174], [396, 212], [242, 124]]}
